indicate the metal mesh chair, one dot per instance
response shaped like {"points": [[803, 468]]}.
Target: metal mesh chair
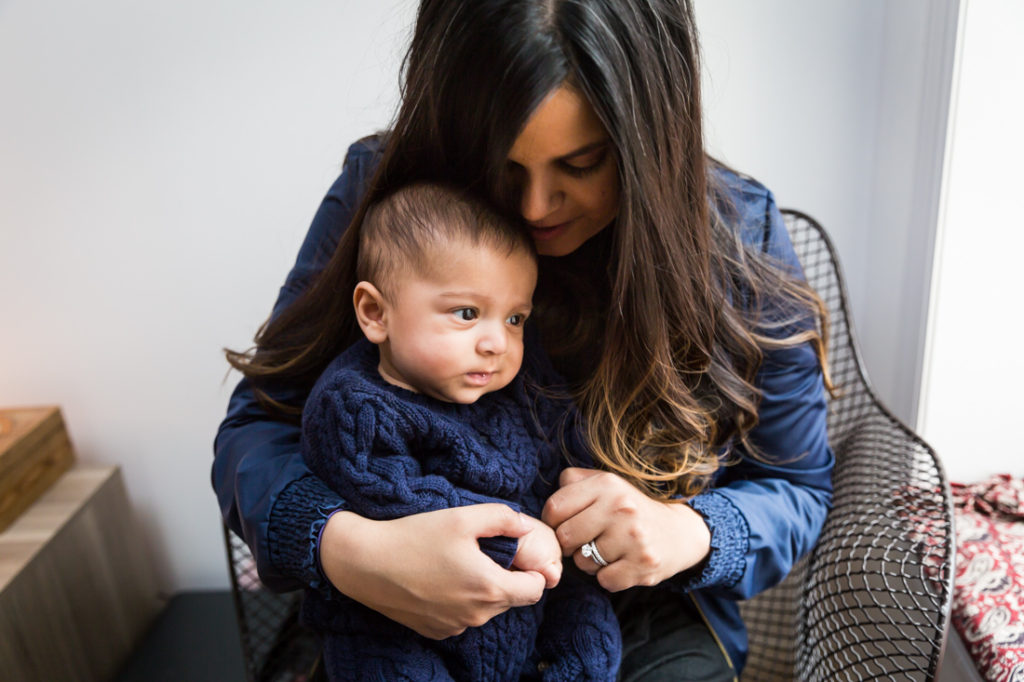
{"points": [[872, 600], [275, 647]]}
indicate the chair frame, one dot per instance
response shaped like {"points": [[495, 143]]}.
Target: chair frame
{"points": [[872, 600], [275, 647], [856, 609]]}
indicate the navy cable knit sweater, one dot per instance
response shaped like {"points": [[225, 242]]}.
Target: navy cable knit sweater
{"points": [[390, 453]]}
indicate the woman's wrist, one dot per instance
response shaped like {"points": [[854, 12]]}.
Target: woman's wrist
{"points": [[697, 534], [725, 560], [342, 538]]}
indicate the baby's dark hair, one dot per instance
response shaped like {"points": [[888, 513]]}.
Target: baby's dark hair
{"points": [[407, 228]]}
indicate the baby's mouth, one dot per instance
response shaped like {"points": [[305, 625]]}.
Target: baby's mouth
{"points": [[479, 378]]}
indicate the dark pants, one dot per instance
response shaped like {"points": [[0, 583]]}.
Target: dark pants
{"points": [[664, 639]]}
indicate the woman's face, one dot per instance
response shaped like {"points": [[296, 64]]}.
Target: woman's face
{"points": [[565, 168]]}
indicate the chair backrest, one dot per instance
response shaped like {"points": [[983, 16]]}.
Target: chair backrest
{"points": [[872, 599]]}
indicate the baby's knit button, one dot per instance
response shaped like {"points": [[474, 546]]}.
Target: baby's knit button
{"points": [[542, 666]]}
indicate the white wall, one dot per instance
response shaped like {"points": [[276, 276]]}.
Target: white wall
{"points": [[791, 95], [972, 401], [159, 166], [839, 107]]}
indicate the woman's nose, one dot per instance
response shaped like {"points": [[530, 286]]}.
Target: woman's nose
{"points": [[540, 199]]}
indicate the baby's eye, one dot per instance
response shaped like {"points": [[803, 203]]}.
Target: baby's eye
{"points": [[516, 320], [466, 314]]}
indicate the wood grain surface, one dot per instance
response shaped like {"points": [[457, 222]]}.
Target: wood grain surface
{"points": [[34, 451], [77, 589]]}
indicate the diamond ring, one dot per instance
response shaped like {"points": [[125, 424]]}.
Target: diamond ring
{"points": [[589, 550]]}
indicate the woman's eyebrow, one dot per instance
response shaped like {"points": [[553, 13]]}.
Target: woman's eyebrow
{"points": [[585, 149]]}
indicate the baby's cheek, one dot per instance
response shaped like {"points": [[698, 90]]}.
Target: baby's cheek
{"points": [[515, 355], [435, 359]]}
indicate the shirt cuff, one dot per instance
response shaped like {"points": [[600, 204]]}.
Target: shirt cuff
{"points": [[296, 522], [730, 541]]}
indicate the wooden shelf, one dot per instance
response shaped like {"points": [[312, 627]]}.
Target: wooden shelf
{"points": [[77, 588]]}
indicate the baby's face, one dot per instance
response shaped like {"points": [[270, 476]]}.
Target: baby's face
{"points": [[457, 333]]}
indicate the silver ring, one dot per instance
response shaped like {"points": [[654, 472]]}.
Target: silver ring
{"points": [[589, 550]]}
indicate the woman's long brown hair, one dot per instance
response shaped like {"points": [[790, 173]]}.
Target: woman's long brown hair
{"points": [[664, 337]]}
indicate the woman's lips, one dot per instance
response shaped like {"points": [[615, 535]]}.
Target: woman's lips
{"points": [[544, 233]]}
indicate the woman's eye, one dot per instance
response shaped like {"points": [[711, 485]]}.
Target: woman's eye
{"points": [[516, 320], [587, 165], [466, 314]]}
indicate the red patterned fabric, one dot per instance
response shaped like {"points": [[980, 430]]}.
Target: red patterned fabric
{"points": [[988, 602]]}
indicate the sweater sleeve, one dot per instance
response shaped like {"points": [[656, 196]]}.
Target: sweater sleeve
{"points": [[364, 449], [766, 512], [580, 637], [266, 493]]}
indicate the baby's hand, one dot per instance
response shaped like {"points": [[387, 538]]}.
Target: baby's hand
{"points": [[539, 551]]}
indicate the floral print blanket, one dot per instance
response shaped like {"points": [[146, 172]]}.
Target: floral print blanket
{"points": [[988, 600]]}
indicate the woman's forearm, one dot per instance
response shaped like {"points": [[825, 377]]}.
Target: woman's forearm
{"points": [[426, 571]]}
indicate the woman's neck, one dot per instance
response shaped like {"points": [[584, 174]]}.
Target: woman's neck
{"points": [[572, 301]]}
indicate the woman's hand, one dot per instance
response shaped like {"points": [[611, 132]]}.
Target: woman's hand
{"points": [[426, 571], [644, 541]]}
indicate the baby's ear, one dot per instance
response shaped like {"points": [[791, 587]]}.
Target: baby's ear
{"points": [[371, 312]]}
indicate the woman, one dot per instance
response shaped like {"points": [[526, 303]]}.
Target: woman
{"points": [[670, 299]]}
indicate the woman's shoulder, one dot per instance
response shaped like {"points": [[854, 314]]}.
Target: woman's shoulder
{"points": [[366, 148], [745, 204], [738, 184], [360, 161], [748, 208]]}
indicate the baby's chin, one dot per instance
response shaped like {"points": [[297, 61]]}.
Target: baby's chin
{"points": [[467, 396]]}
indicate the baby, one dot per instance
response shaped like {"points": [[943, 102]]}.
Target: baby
{"points": [[430, 411]]}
